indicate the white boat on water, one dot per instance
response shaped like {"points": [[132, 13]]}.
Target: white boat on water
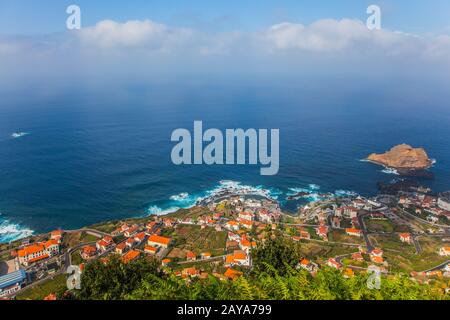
{"points": [[18, 134]]}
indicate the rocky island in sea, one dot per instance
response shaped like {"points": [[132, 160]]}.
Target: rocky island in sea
{"points": [[405, 159]]}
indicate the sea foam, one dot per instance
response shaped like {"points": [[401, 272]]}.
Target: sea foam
{"points": [[12, 231]]}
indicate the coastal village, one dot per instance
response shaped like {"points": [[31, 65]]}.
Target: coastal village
{"points": [[408, 232]]}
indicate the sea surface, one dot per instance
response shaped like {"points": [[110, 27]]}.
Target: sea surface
{"points": [[92, 156]]}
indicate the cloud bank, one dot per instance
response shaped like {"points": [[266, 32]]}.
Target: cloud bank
{"points": [[136, 47]]}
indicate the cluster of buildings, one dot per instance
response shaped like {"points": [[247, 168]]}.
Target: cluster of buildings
{"points": [[39, 251], [137, 241], [433, 207], [25, 258]]}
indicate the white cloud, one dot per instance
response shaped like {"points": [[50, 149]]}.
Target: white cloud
{"points": [[134, 34], [328, 35], [149, 47]]}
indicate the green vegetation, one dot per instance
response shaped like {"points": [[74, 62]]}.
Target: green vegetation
{"points": [[340, 236], [86, 237], [193, 237], [57, 285], [281, 254], [192, 213], [312, 249], [274, 277], [374, 225], [107, 227], [115, 279], [76, 257], [402, 257]]}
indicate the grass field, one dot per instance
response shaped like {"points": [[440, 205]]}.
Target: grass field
{"points": [[193, 213], [39, 292], [379, 225], [402, 257], [85, 237], [76, 257], [192, 237], [341, 236], [322, 251]]}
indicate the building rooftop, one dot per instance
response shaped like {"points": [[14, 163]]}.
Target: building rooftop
{"points": [[12, 278]]}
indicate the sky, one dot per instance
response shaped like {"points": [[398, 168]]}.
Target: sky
{"points": [[47, 16], [165, 40]]}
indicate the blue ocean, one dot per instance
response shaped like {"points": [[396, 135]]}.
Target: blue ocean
{"points": [[90, 156]]}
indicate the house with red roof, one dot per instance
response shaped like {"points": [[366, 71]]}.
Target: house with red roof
{"points": [[238, 257], [405, 237], [190, 272], [130, 231], [191, 256], [130, 242], [232, 274], [121, 248], [232, 225], [245, 215], [333, 263], [376, 259], [140, 237], [322, 231], [304, 234], [353, 232], [88, 252], [205, 255], [159, 241], [165, 262], [444, 251], [38, 251], [57, 235], [357, 256], [246, 223], [307, 265], [130, 256], [105, 244], [150, 249]]}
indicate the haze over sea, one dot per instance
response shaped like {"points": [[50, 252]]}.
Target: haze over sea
{"points": [[96, 155]]}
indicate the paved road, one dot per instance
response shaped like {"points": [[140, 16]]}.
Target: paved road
{"points": [[423, 220], [369, 245], [92, 231], [331, 242], [417, 244], [204, 260], [438, 267]]}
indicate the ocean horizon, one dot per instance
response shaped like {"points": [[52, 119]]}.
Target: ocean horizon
{"points": [[99, 156]]}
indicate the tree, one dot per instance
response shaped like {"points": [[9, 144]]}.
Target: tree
{"points": [[278, 253], [114, 279]]}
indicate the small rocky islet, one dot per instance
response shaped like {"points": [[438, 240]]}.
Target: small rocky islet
{"points": [[406, 160]]}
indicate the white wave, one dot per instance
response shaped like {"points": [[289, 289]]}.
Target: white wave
{"points": [[297, 190], [11, 231], [311, 189], [238, 188], [313, 186], [160, 212], [390, 171], [180, 197], [345, 193], [313, 197]]}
